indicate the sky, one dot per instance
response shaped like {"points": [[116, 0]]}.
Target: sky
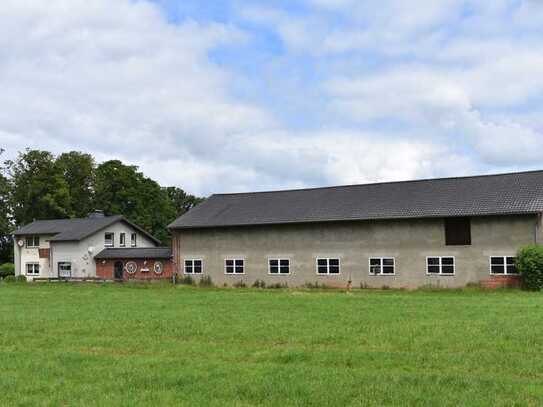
{"points": [[246, 95]]}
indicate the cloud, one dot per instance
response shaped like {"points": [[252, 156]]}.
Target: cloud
{"points": [[353, 93]]}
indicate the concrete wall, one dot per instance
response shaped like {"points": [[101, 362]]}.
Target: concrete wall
{"points": [[409, 241]]}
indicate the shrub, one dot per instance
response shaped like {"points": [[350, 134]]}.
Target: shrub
{"points": [[239, 284], [259, 284], [278, 285], [7, 269], [205, 281], [186, 280], [530, 265], [14, 279]]}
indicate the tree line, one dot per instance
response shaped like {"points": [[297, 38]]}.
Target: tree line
{"points": [[40, 185]]}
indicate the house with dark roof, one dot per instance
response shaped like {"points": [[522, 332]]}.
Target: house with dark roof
{"points": [[107, 247], [440, 232]]}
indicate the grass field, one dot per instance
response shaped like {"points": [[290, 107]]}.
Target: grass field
{"points": [[164, 345]]}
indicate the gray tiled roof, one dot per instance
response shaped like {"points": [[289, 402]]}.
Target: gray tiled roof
{"points": [[74, 229], [517, 193], [135, 253]]}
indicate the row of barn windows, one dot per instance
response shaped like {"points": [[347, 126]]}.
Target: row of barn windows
{"points": [[446, 265]]}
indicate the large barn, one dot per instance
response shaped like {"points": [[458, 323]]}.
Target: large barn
{"points": [[442, 232]]}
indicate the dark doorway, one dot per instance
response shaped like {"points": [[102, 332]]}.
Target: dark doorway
{"points": [[118, 270]]}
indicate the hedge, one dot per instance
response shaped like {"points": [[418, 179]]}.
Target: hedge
{"points": [[530, 265]]}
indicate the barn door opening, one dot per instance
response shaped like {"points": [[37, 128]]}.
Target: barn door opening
{"points": [[118, 270]]}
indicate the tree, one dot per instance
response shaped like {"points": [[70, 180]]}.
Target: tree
{"points": [[38, 188], [181, 201], [78, 171], [6, 225], [121, 189]]}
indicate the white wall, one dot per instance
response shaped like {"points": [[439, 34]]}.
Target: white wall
{"points": [[80, 255], [24, 255]]}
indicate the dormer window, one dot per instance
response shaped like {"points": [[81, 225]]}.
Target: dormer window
{"points": [[109, 239], [122, 239], [32, 241], [133, 239]]}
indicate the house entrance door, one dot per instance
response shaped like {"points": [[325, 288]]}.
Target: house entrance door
{"points": [[118, 270]]}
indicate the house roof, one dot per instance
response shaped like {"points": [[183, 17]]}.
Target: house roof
{"points": [[514, 193], [66, 230], [135, 253]]}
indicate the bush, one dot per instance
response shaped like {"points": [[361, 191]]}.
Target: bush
{"points": [[530, 265], [186, 280], [7, 269], [316, 286], [13, 279], [259, 284], [205, 281], [239, 284], [278, 285]]}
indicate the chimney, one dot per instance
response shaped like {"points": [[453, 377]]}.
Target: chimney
{"points": [[97, 214]]}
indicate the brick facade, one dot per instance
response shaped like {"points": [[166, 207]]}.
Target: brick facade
{"points": [[501, 282], [145, 269]]}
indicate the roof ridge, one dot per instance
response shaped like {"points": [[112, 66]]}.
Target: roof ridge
{"points": [[381, 183]]}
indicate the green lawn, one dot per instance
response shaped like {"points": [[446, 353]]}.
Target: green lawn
{"points": [[164, 345]]}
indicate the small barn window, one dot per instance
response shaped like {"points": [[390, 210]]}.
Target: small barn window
{"points": [[279, 266], [440, 265], [503, 265], [382, 266], [458, 231], [234, 266], [122, 239], [64, 269], [328, 266], [193, 266], [134, 239]]}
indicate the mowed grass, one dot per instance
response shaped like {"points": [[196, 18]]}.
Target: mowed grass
{"points": [[162, 345]]}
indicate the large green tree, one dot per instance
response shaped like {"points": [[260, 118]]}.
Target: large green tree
{"points": [[181, 201], [39, 190], [122, 189], [78, 171], [6, 225]]}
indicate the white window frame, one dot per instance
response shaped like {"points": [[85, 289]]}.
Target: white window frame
{"points": [[234, 260], [112, 239], [63, 263], [505, 272], [122, 239], [192, 261], [33, 273], [33, 238], [133, 239], [441, 266], [279, 260], [381, 266], [328, 266]]}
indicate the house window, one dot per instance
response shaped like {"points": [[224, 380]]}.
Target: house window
{"points": [[458, 231], [193, 266], [122, 239], [279, 266], [32, 241], [32, 269], [133, 239], [109, 239], [328, 266], [440, 266], [382, 266], [64, 269], [234, 266], [503, 265]]}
